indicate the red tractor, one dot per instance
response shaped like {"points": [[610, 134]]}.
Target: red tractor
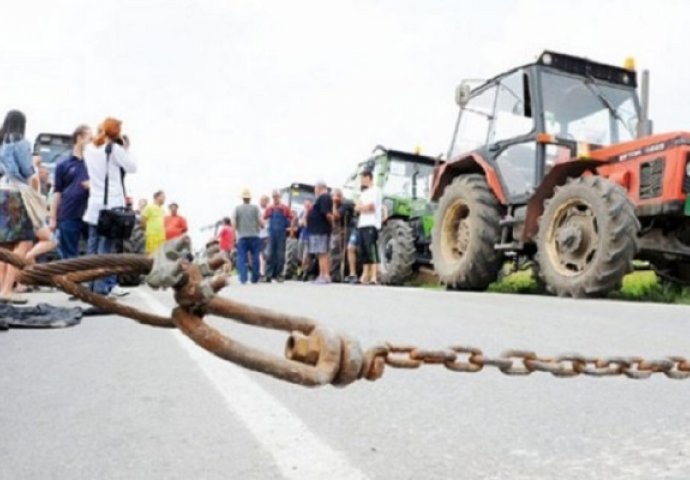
{"points": [[555, 161]]}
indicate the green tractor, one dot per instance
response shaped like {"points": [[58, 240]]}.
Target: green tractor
{"points": [[405, 180]]}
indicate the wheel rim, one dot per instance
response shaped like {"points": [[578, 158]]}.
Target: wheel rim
{"points": [[385, 253], [573, 238], [455, 231]]}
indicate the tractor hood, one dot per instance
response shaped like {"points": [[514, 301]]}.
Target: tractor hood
{"points": [[641, 146]]}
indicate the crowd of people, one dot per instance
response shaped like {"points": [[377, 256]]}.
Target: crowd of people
{"points": [[328, 223], [61, 216]]}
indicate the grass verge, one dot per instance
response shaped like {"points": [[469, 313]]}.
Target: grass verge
{"points": [[640, 286]]}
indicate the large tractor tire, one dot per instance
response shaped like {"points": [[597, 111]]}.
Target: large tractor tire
{"points": [[135, 244], [397, 252], [587, 238], [292, 258], [466, 229]]}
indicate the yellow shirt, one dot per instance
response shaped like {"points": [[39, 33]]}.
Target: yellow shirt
{"points": [[154, 216]]}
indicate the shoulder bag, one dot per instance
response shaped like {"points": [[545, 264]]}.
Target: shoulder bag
{"points": [[115, 223]]}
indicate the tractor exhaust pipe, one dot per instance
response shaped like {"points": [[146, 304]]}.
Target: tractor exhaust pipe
{"points": [[644, 126]]}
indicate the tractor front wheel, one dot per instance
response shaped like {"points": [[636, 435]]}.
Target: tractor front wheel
{"points": [[587, 238], [466, 229], [397, 252]]}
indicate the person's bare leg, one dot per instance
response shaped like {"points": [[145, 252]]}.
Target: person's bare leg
{"points": [[352, 260], [305, 261], [44, 245], [322, 265], [11, 272], [374, 273], [365, 274], [327, 265]]}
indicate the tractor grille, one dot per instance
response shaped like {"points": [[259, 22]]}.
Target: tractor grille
{"points": [[651, 178]]}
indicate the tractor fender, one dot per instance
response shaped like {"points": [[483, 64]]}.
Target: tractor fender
{"points": [[468, 163], [558, 175]]}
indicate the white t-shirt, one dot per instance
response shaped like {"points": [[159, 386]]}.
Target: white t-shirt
{"points": [[371, 219], [95, 160]]}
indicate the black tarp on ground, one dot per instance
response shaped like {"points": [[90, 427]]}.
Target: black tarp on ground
{"points": [[42, 315]]}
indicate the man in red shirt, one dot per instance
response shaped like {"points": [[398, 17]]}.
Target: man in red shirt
{"points": [[175, 225], [226, 241]]}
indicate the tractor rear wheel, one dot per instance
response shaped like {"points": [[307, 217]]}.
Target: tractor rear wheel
{"points": [[466, 229], [587, 238], [397, 252]]}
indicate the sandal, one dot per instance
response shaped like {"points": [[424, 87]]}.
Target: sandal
{"points": [[14, 300]]}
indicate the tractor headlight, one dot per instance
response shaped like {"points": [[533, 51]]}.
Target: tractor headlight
{"points": [[687, 168], [546, 58]]}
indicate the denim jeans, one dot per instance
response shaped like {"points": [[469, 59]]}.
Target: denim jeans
{"points": [[246, 245], [69, 234], [276, 254], [98, 245]]}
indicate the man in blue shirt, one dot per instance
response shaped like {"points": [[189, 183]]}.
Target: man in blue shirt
{"points": [[70, 196]]}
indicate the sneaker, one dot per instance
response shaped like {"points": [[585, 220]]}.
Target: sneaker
{"points": [[118, 292], [322, 281], [280, 279], [352, 280], [267, 280]]}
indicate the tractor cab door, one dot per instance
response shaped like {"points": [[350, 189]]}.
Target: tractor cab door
{"points": [[511, 143], [498, 122]]}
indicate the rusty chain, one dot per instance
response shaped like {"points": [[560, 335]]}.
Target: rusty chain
{"points": [[314, 355]]}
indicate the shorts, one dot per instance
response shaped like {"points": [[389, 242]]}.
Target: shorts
{"points": [[354, 238], [368, 252], [319, 244]]}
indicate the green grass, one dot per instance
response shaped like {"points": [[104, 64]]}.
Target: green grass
{"points": [[640, 286], [643, 286]]}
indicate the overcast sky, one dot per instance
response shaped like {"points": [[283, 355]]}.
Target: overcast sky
{"points": [[220, 94]]}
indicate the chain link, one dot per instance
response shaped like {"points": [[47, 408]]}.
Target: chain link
{"points": [[468, 359]]}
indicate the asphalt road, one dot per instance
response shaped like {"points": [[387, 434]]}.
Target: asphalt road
{"points": [[113, 399]]}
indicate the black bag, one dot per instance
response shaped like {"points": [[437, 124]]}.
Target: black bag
{"points": [[115, 223]]}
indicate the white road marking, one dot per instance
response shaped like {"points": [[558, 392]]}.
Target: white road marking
{"points": [[298, 453]]}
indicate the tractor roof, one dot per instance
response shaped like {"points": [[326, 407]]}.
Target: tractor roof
{"points": [[578, 66], [407, 156], [300, 186]]}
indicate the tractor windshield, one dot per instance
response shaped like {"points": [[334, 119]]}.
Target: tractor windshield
{"points": [[295, 198], [408, 179], [585, 110]]}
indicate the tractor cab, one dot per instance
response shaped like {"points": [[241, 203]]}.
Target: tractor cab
{"points": [[296, 195], [53, 148], [405, 180], [526, 120]]}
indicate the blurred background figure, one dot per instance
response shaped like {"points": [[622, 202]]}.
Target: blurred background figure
{"points": [[153, 223], [226, 243], [175, 224]]}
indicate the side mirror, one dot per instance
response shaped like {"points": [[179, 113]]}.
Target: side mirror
{"points": [[462, 94]]}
